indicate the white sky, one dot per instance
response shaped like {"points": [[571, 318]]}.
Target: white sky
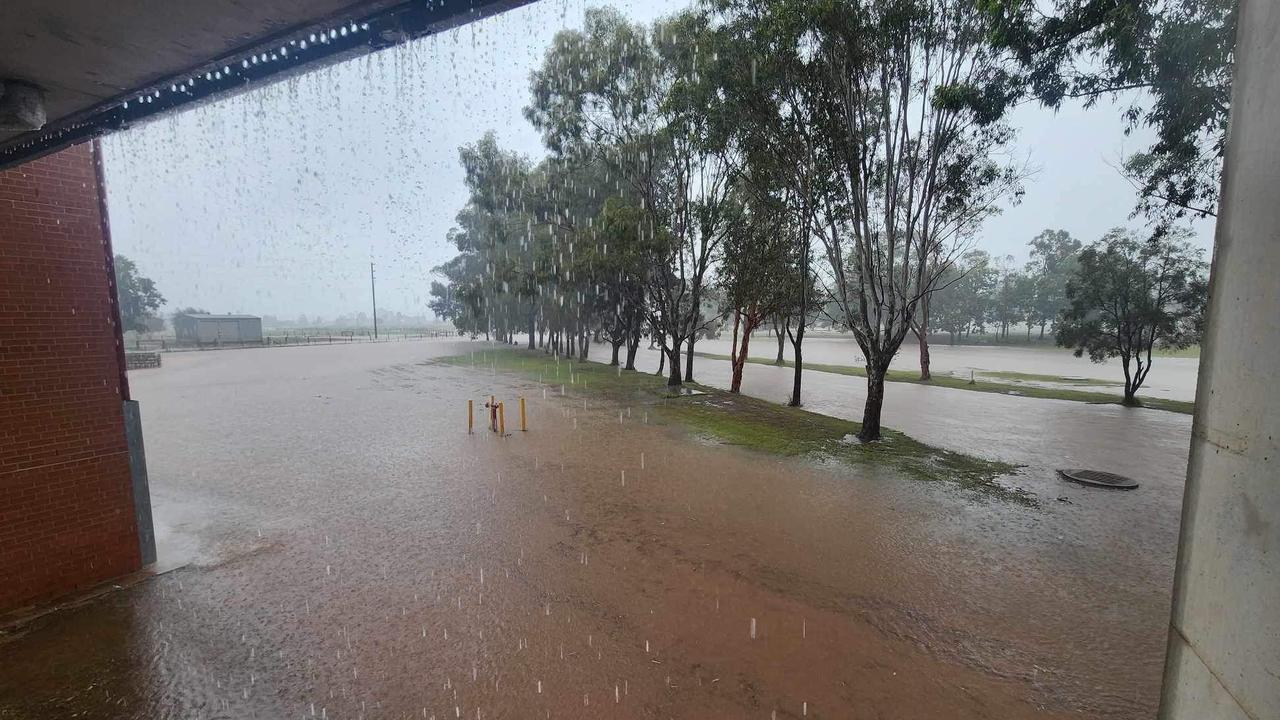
{"points": [[275, 201]]}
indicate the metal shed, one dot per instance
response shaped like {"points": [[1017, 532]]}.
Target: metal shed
{"points": [[201, 328]]}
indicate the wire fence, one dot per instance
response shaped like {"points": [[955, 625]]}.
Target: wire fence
{"points": [[170, 344]]}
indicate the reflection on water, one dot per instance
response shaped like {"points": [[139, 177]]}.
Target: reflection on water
{"points": [[362, 556]]}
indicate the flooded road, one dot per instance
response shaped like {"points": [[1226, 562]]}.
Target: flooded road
{"points": [[347, 551]]}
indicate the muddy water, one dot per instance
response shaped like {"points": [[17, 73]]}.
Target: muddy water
{"points": [[351, 552], [1173, 378]]}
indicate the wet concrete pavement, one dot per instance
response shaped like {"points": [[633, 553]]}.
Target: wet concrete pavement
{"points": [[352, 553]]}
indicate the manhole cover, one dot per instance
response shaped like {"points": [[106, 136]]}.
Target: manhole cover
{"points": [[1098, 478]]}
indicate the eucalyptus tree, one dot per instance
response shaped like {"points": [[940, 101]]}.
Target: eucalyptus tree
{"points": [[623, 271], [493, 226], [625, 95], [756, 275], [1008, 302], [1171, 60], [1053, 260], [1128, 296], [949, 313], [769, 101], [140, 301], [461, 299], [888, 111], [565, 204], [527, 249], [698, 182], [917, 143]]}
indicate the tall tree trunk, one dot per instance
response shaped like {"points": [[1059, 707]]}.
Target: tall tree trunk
{"points": [[688, 360], [533, 329], [875, 403], [1130, 388], [617, 346], [797, 339], [1042, 324], [632, 347], [740, 363], [921, 331], [782, 336], [735, 381], [924, 356], [673, 353]]}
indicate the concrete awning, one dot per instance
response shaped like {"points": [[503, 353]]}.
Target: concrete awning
{"points": [[103, 65]]}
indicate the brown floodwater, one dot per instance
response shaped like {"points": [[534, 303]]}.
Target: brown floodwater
{"points": [[345, 550]]}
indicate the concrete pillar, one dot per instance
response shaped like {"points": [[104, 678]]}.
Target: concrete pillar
{"points": [[1224, 636], [141, 483]]}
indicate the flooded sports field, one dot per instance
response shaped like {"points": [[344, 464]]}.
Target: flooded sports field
{"points": [[335, 545]]}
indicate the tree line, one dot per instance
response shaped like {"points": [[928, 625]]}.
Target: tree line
{"points": [[769, 162]]}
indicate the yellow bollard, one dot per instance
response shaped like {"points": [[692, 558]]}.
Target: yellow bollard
{"points": [[523, 426], [502, 421], [471, 416]]}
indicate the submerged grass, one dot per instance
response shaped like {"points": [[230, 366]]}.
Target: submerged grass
{"points": [[978, 384], [757, 424], [1037, 377]]}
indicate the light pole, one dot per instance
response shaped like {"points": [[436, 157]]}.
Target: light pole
{"points": [[374, 288]]}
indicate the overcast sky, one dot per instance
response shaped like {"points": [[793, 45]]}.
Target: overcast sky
{"points": [[276, 201]]}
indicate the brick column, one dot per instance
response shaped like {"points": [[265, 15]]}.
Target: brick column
{"points": [[66, 506]]}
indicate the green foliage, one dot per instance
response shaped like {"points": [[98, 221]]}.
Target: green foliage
{"points": [[634, 100], [977, 291], [1127, 296], [139, 298], [1053, 260], [881, 117], [963, 299], [1177, 53]]}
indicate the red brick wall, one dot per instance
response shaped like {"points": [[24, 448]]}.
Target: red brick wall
{"points": [[66, 504]]}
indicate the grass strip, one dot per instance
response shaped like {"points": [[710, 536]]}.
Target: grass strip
{"points": [[756, 424]]}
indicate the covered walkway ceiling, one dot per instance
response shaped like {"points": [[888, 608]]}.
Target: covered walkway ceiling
{"points": [[104, 65]]}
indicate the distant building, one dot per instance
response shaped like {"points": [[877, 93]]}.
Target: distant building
{"points": [[200, 328]]}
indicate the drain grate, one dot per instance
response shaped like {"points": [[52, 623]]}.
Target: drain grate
{"points": [[1098, 478]]}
